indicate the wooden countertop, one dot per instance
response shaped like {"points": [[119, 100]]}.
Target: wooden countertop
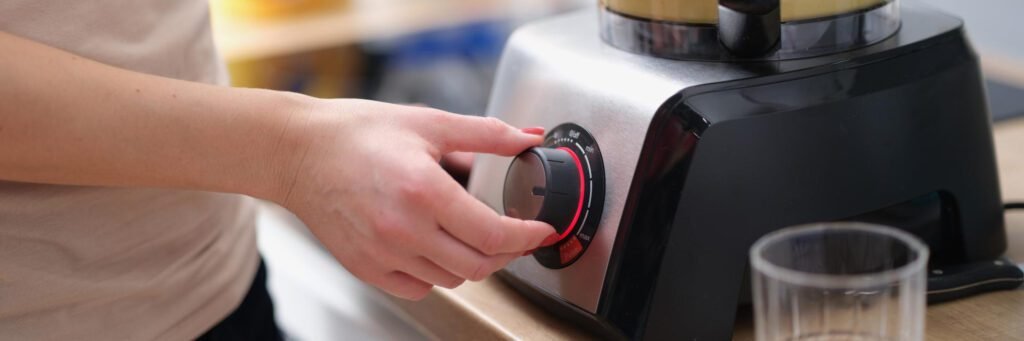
{"points": [[492, 310]]}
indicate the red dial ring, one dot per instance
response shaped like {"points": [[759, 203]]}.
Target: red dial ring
{"points": [[579, 206]]}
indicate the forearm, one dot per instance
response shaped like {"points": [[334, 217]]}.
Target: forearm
{"points": [[68, 120]]}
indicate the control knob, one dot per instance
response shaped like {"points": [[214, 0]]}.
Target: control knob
{"points": [[546, 184]]}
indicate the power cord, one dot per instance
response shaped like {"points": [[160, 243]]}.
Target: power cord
{"points": [[1013, 206]]}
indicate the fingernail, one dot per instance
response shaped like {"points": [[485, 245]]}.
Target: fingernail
{"points": [[530, 252], [550, 240], [533, 130]]}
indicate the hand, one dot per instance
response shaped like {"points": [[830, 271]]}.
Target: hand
{"points": [[370, 187]]}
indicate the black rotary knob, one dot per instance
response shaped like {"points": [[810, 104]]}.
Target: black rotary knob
{"points": [[545, 184]]}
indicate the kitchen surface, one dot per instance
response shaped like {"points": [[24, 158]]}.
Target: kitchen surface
{"points": [[415, 52]]}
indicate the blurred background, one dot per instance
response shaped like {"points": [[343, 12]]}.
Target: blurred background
{"points": [[440, 53]]}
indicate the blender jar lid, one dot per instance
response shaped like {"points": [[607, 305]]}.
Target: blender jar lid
{"points": [[690, 29]]}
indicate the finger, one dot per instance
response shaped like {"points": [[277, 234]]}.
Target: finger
{"points": [[401, 285], [453, 132], [477, 225], [411, 263], [503, 260], [461, 259], [425, 270]]}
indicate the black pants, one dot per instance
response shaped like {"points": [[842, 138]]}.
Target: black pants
{"points": [[252, 320]]}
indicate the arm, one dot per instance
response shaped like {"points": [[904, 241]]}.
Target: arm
{"points": [[68, 120], [364, 176]]}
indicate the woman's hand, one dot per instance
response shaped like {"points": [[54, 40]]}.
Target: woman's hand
{"points": [[369, 185]]}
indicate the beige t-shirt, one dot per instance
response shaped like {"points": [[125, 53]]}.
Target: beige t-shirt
{"points": [[89, 263]]}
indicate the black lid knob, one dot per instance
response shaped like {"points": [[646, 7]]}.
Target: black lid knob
{"points": [[749, 28], [544, 184]]}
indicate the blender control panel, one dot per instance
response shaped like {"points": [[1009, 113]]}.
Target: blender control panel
{"points": [[560, 183]]}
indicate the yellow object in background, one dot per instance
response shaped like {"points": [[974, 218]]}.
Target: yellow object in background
{"points": [[330, 73], [327, 73], [267, 9]]}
